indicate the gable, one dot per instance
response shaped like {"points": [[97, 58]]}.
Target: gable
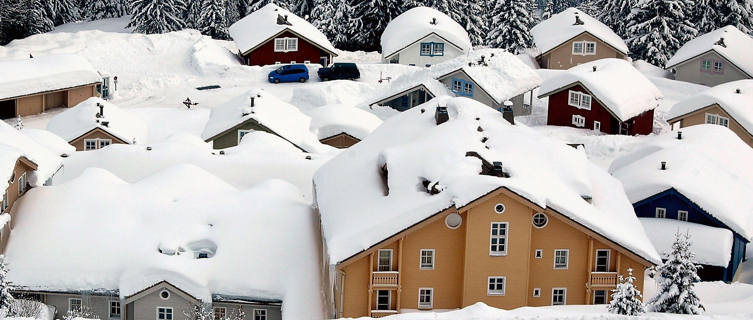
{"points": [[97, 132], [577, 86], [404, 92], [717, 109], [711, 53], [249, 124], [583, 36], [287, 32], [461, 74], [431, 36], [156, 289]]}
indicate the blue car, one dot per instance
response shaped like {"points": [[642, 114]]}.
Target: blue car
{"points": [[289, 73]]}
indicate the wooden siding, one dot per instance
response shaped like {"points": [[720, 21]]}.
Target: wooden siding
{"points": [[39, 102], [690, 71], [95, 133], [561, 57], [22, 166], [699, 117], [340, 141], [265, 53]]}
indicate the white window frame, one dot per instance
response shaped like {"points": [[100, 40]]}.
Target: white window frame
{"points": [[120, 311], [537, 292], [22, 184], [389, 299], [564, 296], [582, 48], [679, 215], [711, 118], [292, 44], [597, 126], [243, 132], [567, 259], [293, 62], [596, 258], [661, 210], [262, 316], [421, 259], [379, 253], [706, 65], [430, 304], [573, 98], [80, 304], [585, 48], [579, 121], [723, 121], [718, 67], [157, 311], [86, 144], [606, 296], [496, 292], [286, 44], [538, 254], [224, 312], [498, 237], [5, 203], [101, 143], [583, 98]]}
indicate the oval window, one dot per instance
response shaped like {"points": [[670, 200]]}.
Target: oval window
{"points": [[540, 220], [164, 294], [499, 208], [453, 220]]}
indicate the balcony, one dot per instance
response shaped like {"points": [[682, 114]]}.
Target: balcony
{"points": [[384, 279], [603, 279], [382, 313]]}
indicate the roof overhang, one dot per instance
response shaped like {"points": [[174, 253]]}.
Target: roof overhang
{"points": [[293, 32]]}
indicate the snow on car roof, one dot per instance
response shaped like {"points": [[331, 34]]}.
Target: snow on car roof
{"points": [[621, 88], [561, 27], [279, 116], [45, 73], [419, 22], [356, 214], [331, 120], [710, 166], [19, 144], [502, 75], [260, 25], [132, 232], [736, 48], [737, 105], [82, 118], [711, 245]]}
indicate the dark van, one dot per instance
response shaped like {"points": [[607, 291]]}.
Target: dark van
{"points": [[338, 71]]}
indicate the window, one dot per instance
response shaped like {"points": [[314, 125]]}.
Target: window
{"points": [[717, 119], [438, 49], [427, 259], [578, 48], [718, 67], [600, 297], [499, 208], [242, 133], [384, 298], [90, 144], [584, 48], [537, 292], [590, 48], [602, 260], [539, 254], [432, 49], [164, 294], [384, 262], [661, 213], [682, 215], [462, 87], [292, 44], [579, 100], [559, 296], [22, 184], [293, 62], [540, 220], [585, 101], [579, 121], [496, 286], [498, 239], [286, 44], [164, 313], [260, 314], [468, 89], [425, 298], [74, 304], [280, 44], [705, 65], [114, 309], [426, 48], [597, 126], [723, 121], [219, 313], [4, 204], [104, 142], [560, 258]]}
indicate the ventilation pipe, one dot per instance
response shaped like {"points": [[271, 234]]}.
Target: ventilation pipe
{"points": [[441, 116], [664, 165]]}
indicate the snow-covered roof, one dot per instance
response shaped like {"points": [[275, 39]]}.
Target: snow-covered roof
{"points": [[737, 105], [184, 209], [331, 120], [621, 88], [711, 245], [15, 144], [261, 25], [710, 166], [45, 73], [503, 76], [82, 118], [401, 84], [356, 214], [561, 27], [279, 116], [737, 48], [49, 140], [417, 23]]}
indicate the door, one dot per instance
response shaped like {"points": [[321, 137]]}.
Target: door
{"points": [[600, 297], [7, 109], [383, 300], [602, 260], [385, 260]]}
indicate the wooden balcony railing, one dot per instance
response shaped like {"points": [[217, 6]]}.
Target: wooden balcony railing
{"points": [[382, 313], [384, 278], [603, 279]]}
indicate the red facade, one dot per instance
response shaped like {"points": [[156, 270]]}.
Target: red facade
{"points": [[265, 54], [561, 114]]}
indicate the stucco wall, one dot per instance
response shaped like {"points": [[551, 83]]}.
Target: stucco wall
{"points": [[146, 307], [690, 71], [699, 117], [562, 56], [411, 55]]}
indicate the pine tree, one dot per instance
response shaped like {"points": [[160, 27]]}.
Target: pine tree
{"points": [[193, 12], [705, 15], [474, 20], [62, 11], [102, 9], [212, 21], [677, 277], [614, 13], [626, 299], [657, 29], [37, 17], [236, 9], [511, 21], [548, 10], [6, 299], [157, 16], [332, 17], [372, 16], [738, 13], [12, 22]]}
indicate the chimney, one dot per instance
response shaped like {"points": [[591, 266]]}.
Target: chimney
{"points": [[433, 21], [721, 42], [578, 21], [441, 115], [738, 91], [252, 102], [498, 170], [664, 165], [101, 110], [106, 123], [594, 68], [508, 113], [679, 135]]}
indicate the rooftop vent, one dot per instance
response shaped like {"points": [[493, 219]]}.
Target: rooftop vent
{"points": [[498, 170], [482, 61], [664, 165], [431, 188], [106, 123], [283, 20], [423, 110], [101, 110], [721, 42], [587, 198], [679, 135], [738, 91], [508, 113], [441, 115], [222, 152], [578, 21], [480, 129], [433, 21], [484, 139], [148, 148], [594, 68]]}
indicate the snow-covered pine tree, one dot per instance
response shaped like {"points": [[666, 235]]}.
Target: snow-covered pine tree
{"points": [[62, 11], [614, 13], [302, 8], [677, 278], [19, 123], [236, 9], [103, 9], [332, 17], [372, 17], [157, 16], [738, 13], [706, 15], [657, 28], [192, 14], [561, 5], [474, 20], [547, 10], [212, 21], [511, 21], [410, 4], [6, 299], [12, 22], [254, 5], [626, 299]]}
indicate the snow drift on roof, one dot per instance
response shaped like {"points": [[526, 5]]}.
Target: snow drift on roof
{"points": [[49, 140], [356, 214], [388, 89], [47, 73], [561, 27], [279, 116], [182, 207], [615, 83], [76, 121], [502, 75], [331, 120], [737, 105], [261, 25], [17, 143], [415, 24], [711, 246], [737, 48], [710, 166]]}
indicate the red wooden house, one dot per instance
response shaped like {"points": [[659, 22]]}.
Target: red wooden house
{"points": [[607, 95], [273, 35]]}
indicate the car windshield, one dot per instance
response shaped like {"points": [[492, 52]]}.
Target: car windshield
{"points": [[279, 70]]}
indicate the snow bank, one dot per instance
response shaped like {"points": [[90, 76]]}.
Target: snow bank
{"points": [[711, 246], [710, 166], [738, 105], [331, 120], [737, 48], [49, 140], [45, 73], [260, 142], [80, 119], [179, 207], [614, 82], [15, 144], [356, 213], [561, 27], [415, 24], [261, 25]]}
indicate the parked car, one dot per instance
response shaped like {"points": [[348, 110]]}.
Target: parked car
{"points": [[289, 73], [339, 71]]}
